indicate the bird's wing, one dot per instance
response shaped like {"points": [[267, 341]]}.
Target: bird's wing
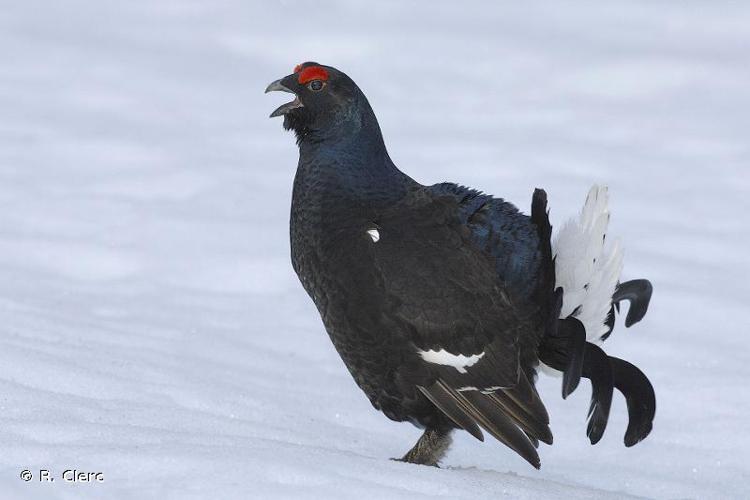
{"points": [[461, 323], [502, 231]]}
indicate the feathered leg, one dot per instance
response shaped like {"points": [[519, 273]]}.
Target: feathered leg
{"points": [[430, 448]]}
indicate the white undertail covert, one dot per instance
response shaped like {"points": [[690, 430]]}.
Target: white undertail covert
{"points": [[587, 264]]}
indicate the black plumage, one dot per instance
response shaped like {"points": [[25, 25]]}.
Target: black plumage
{"points": [[439, 299]]}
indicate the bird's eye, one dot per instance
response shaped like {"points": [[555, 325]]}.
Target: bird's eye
{"points": [[316, 85]]}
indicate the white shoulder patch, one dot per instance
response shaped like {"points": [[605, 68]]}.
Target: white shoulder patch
{"points": [[374, 234], [457, 361]]}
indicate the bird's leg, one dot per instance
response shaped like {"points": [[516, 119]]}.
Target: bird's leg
{"points": [[430, 448]]}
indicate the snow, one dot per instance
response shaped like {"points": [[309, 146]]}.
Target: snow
{"points": [[153, 329]]}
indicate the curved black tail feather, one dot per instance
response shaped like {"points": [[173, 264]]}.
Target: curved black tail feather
{"points": [[640, 398], [638, 292], [576, 335], [597, 368], [563, 349]]}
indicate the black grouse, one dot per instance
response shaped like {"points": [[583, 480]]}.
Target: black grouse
{"points": [[444, 301]]}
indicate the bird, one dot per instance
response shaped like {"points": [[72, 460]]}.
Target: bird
{"points": [[445, 303]]}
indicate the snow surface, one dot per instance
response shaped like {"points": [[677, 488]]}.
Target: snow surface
{"points": [[153, 329]]}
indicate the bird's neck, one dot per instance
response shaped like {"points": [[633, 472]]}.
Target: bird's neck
{"points": [[351, 156]]}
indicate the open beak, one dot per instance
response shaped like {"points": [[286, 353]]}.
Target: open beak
{"points": [[284, 108]]}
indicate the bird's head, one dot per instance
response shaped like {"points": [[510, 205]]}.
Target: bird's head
{"points": [[325, 100]]}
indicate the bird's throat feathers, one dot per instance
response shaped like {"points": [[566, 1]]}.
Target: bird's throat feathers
{"points": [[351, 145]]}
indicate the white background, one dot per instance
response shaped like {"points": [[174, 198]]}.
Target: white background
{"points": [[151, 326]]}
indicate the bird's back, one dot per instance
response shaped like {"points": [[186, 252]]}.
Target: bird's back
{"points": [[502, 231]]}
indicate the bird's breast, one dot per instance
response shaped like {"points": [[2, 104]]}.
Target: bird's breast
{"points": [[332, 252]]}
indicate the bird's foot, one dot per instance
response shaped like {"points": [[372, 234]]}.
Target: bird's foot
{"points": [[408, 461], [430, 448]]}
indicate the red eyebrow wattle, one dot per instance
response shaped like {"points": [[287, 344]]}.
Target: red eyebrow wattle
{"points": [[312, 73], [298, 68]]}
